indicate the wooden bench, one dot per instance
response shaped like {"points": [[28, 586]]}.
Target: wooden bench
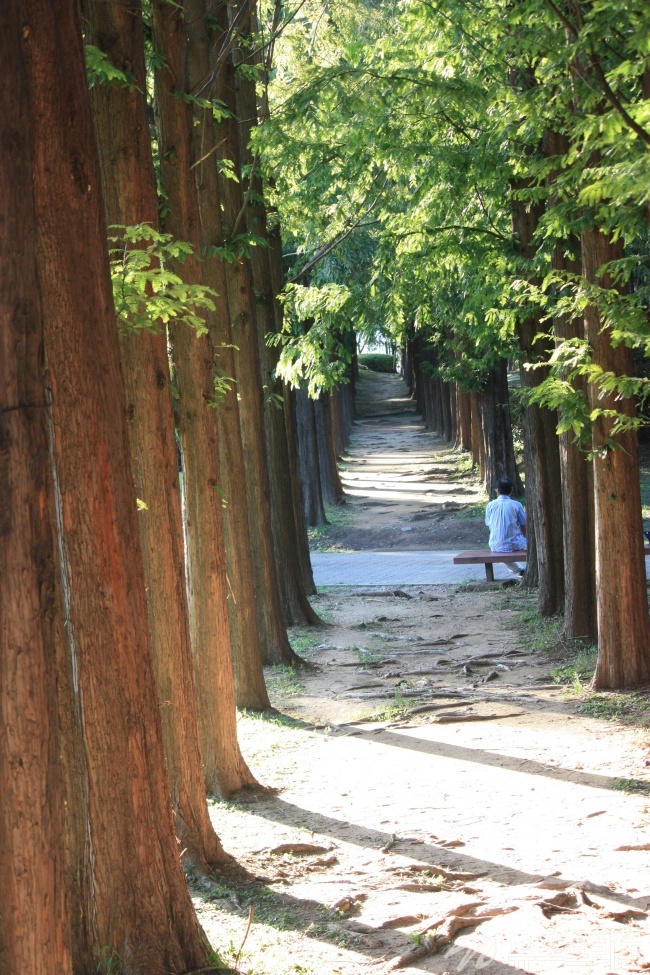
{"points": [[487, 558]]}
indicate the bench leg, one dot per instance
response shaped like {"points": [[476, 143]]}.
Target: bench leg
{"points": [[489, 572]]}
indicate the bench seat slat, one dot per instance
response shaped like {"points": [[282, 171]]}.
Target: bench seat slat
{"points": [[483, 557]]}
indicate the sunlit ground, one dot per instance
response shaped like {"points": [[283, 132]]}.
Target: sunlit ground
{"points": [[519, 801]]}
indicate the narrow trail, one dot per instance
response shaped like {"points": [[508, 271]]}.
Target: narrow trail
{"points": [[407, 497], [403, 482], [429, 770]]}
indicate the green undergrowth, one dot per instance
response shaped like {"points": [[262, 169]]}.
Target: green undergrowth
{"points": [[338, 516], [574, 663], [376, 361], [281, 683], [632, 708], [633, 786]]}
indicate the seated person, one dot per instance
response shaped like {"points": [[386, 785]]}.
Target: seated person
{"points": [[506, 520]]}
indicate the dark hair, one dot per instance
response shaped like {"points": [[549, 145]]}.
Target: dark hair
{"points": [[504, 486]]}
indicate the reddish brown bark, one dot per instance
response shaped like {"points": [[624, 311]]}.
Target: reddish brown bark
{"points": [[224, 768], [622, 604], [241, 298], [497, 431], [34, 915], [246, 642], [464, 407], [141, 907], [130, 198], [541, 446], [286, 538], [576, 469]]}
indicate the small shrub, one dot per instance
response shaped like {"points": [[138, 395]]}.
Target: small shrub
{"points": [[377, 361]]}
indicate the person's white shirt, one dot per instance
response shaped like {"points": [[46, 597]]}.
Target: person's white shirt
{"points": [[505, 518]]}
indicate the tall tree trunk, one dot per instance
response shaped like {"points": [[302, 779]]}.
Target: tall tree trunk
{"points": [[298, 539], [478, 440], [580, 618], [542, 457], [246, 642], [622, 602], [290, 540], [331, 487], [141, 906], [224, 768], [497, 431], [309, 464], [464, 420], [445, 409], [34, 916], [276, 648], [130, 198]]}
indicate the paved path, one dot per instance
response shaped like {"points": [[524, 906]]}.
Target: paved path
{"points": [[400, 569], [395, 569]]}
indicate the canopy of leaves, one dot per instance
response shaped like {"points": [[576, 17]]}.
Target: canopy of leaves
{"points": [[147, 294], [400, 136]]}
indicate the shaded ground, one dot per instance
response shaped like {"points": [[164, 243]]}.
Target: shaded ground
{"points": [[405, 487], [443, 753]]}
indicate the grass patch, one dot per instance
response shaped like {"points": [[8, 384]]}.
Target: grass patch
{"points": [[371, 656], [630, 709], [398, 708], [281, 683], [277, 718], [338, 516], [579, 672], [635, 786], [304, 642]]}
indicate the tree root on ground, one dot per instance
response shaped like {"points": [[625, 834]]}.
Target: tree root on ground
{"points": [[446, 928]]}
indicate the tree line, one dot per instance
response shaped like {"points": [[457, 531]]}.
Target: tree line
{"points": [[202, 203], [154, 543], [472, 180]]}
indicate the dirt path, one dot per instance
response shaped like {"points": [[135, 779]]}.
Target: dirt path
{"points": [[429, 772], [403, 485]]}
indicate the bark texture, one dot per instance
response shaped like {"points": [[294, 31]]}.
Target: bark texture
{"points": [[622, 604], [497, 431], [225, 770], [541, 445], [246, 643], [34, 915], [130, 198], [276, 648], [141, 907]]}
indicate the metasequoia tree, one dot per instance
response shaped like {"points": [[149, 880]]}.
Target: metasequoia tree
{"points": [[247, 654], [34, 917], [542, 455], [140, 906], [621, 596], [276, 648], [289, 535], [224, 768], [121, 124], [576, 468]]}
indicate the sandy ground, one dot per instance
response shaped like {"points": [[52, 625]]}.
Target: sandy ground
{"points": [[404, 488], [427, 772]]}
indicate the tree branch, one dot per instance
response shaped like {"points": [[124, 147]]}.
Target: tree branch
{"points": [[324, 251]]}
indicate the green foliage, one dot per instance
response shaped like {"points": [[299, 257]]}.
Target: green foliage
{"points": [[148, 295], [633, 709], [398, 146], [579, 672], [110, 962], [101, 70], [312, 352], [633, 786], [377, 361]]}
